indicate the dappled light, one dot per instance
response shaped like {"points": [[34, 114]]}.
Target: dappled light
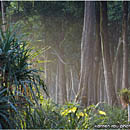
{"points": [[64, 65]]}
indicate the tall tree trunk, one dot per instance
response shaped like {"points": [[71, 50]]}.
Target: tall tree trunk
{"points": [[98, 93], [125, 45], [67, 87], [72, 81], [45, 56], [97, 50], [50, 80], [57, 84], [86, 51], [62, 80], [101, 83], [111, 95], [118, 76], [91, 91], [69, 92], [116, 67]]}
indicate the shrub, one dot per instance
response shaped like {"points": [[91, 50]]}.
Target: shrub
{"points": [[46, 116], [72, 116], [7, 106], [107, 115], [19, 83]]}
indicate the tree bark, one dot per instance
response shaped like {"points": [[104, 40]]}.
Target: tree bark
{"points": [[111, 95], [117, 66], [125, 45], [118, 76], [97, 96], [62, 82], [101, 83], [72, 81], [86, 51], [97, 50], [91, 89], [57, 84], [69, 92]]}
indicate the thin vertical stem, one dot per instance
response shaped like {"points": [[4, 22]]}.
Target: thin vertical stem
{"points": [[128, 112], [3, 17]]}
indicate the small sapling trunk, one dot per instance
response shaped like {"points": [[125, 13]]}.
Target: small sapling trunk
{"points": [[129, 112]]}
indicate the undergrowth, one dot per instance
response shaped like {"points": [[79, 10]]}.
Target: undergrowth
{"points": [[71, 116]]}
